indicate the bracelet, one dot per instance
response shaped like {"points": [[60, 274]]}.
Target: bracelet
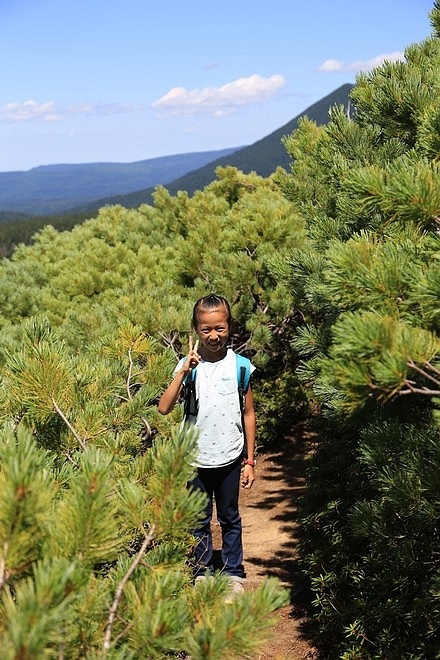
{"points": [[248, 461]]}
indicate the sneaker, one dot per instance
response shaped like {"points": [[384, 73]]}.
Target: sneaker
{"points": [[236, 587]]}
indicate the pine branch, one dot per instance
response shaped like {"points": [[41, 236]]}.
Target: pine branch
{"points": [[3, 566], [69, 425], [120, 588], [129, 394], [170, 340], [424, 372], [130, 371], [70, 459], [413, 389], [419, 390]]}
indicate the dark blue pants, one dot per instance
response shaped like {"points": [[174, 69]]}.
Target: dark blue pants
{"points": [[223, 484]]}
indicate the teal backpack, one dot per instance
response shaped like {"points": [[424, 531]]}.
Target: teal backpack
{"points": [[191, 406]]}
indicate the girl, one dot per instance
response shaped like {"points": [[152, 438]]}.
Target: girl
{"points": [[222, 428]]}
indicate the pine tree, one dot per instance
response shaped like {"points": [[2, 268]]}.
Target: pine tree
{"points": [[365, 282]]}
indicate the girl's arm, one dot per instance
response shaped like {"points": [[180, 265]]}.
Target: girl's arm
{"points": [[248, 476], [171, 395]]}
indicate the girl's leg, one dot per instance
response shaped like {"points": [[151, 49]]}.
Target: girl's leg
{"points": [[226, 497], [203, 552]]}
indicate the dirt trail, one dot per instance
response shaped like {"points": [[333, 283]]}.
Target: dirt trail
{"points": [[269, 516]]}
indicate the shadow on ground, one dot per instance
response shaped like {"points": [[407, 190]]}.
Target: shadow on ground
{"points": [[270, 521]]}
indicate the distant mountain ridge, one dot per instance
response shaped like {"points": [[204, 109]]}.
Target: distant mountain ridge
{"points": [[73, 187], [58, 188]]}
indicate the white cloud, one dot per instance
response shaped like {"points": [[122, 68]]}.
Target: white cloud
{"points": [[218, 101], [48, 111], [29, 110], [360, 65]]}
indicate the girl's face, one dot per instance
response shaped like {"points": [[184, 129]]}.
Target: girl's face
{"points": [[213, 329]]}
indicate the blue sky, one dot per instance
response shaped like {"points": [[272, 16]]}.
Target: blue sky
{"points": [[126, 80]]}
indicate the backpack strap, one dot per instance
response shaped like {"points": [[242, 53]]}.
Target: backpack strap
{"points": [[190, 403], [243, 377]]}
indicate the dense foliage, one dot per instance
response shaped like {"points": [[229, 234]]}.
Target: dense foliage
{"points": [[94, 514], [367, 285]]}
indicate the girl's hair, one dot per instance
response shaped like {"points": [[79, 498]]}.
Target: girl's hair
{"points": [[212, 301]]}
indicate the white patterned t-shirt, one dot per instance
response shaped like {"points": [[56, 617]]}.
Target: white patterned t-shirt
{"points": [[219, 421]]}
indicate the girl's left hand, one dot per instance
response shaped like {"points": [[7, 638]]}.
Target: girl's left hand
{"points": [[247, 476]]}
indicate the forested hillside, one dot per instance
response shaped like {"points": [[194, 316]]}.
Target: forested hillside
{"points": [[51, 189], [332, 271]]}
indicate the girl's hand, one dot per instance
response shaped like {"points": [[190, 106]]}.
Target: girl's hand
{"points": [[193, 358], [247, 476], [171, 395]]}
